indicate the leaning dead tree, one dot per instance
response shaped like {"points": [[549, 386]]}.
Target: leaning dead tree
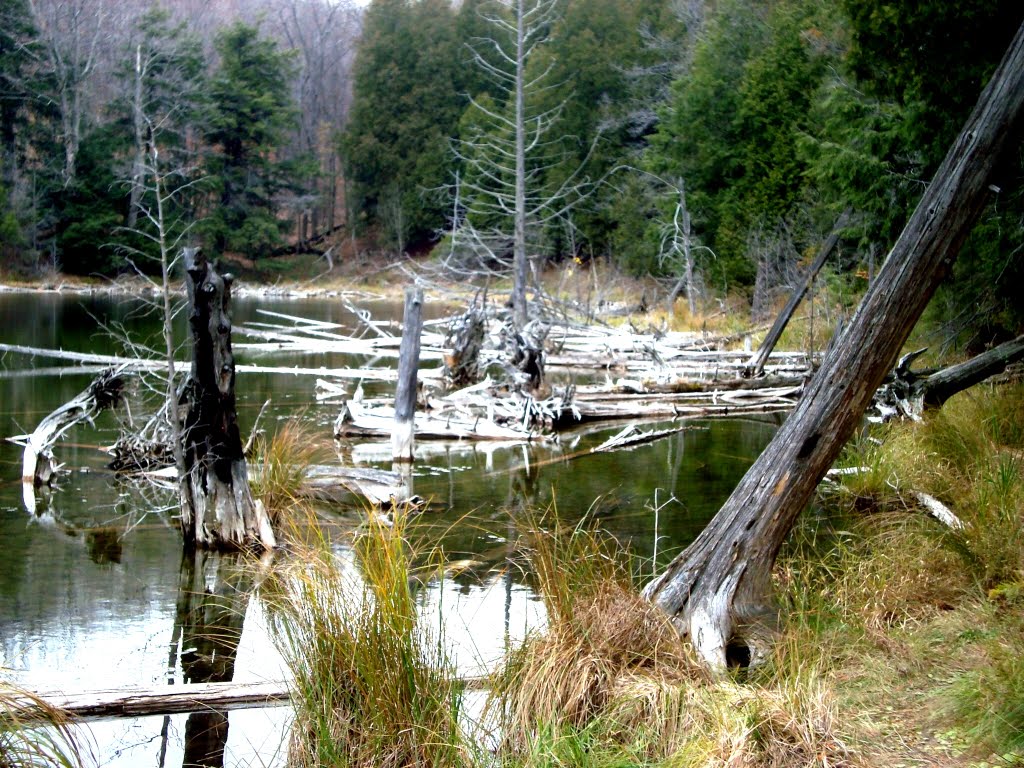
{"points": [[217, 507], [717, 590], [756, 365]]}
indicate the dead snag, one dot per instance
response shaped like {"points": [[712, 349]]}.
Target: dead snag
{"points": [[525, 349], [466, 338], [217, 507], [403, 433], [718, 588], [38, 465], [756, 364]]}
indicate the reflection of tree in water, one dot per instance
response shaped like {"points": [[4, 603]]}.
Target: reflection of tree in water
{"points": [[104, 545], [213, 593]]}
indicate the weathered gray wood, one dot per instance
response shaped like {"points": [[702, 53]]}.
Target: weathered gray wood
{"points": [[166, 699], [466, 337], [717, 590], [943, 384], [38, 466], [403, 438], [217, 507], [756, 364]]}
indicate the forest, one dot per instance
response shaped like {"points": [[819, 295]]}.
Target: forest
{"points": [[314, 126]]}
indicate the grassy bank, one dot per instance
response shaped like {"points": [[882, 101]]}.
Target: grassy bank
{"points": [[901, 641]]}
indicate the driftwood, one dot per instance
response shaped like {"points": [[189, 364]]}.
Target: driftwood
{"points": [[632, 436], [163, 700], [217, 507], [488, 411], [931, 505], [356, 420], [38, 464], [908, 394]]}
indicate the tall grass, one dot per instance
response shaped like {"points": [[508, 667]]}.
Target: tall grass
{"points": [[609, 682], [34, 733], [371, 687], [943, 604], [281, 463]]}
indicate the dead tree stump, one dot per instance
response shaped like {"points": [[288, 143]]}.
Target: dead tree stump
{"points": [[466, 338], [403, 435], [217, 507]]}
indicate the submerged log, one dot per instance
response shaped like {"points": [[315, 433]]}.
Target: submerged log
{"points": [[217, 507]]}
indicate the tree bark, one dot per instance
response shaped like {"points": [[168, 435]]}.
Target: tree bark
{"points": [[717, 590], [217, 507], [38, 465], [519, 266], [403, 437], [942, 385], [757, 362]]}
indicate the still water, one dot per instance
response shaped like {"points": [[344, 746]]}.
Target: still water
{"points": [[94, 593]]}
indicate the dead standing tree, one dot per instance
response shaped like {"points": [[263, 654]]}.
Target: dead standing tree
{"points": [[718, 588], [217, 507]]}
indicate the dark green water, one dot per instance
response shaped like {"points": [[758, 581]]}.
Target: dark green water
{"points": [[92, 584]]}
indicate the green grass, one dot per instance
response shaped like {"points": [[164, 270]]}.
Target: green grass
{"points": [[372, 687]]}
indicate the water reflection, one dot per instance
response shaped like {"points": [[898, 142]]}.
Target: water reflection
{"points": [[213, 592]]}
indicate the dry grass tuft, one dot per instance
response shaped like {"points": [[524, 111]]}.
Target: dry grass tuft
{"points": [[35, 733], [371, 686], [280, 465]]}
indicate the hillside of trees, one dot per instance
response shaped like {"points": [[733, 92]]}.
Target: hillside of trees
{"points": [[286, 125]]}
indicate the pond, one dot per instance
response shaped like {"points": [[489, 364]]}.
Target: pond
{"points": [[94, 592]]}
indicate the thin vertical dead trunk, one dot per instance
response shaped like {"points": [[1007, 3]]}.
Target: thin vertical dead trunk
{"points": [[519, 266], [403, 438]]}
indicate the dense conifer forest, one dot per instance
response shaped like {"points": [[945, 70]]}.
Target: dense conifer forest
{"points": [[281, 126]]}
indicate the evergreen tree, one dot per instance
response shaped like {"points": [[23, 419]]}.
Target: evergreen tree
{"points": [[923, 66], [250, 112], [406, 103], [733, 127]]}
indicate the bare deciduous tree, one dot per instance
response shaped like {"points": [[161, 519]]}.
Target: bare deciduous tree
{"points": [[503, 198]]}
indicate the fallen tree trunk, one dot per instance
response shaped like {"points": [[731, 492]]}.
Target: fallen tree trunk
{"points": [[908, 394], [717, 590], [38, 465], [217, 507], [942, 385], [163, 700]]}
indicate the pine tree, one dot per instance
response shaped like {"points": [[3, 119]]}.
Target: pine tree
{"points": [[250, 111]]}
